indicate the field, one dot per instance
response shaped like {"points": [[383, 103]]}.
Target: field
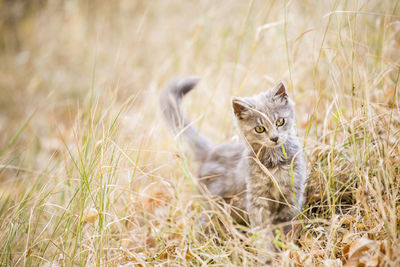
{"points": [[90, 175]]}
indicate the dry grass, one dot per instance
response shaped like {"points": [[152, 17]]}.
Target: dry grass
{"points": [[90, 176]]}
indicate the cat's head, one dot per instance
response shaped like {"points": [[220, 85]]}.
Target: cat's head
{"points": [[266, 119]]}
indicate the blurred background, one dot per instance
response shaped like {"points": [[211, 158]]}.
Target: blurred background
{"points": [[79, 87], [54, 52]]}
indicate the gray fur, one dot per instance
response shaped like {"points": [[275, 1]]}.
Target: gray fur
{"points": [[253, 174], [170, 101]]}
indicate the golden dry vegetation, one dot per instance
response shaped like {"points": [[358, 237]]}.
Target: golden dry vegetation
{"points": [[89, 174]]}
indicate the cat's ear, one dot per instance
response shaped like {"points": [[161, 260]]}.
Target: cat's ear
{"points": [[240, 107], [279, 91]]}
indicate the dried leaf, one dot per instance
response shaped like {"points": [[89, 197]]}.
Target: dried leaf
{"points": [[90, 216], [299, 258], [347, 238], [347, 219], [363, 252]]}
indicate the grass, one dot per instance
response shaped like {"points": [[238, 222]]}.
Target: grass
{"points": [[90, 176]]}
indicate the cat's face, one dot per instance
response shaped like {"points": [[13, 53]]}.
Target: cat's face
{"points": [[266, 119]]}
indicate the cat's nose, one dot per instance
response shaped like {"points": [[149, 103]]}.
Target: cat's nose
{"points": [[274, 139]]}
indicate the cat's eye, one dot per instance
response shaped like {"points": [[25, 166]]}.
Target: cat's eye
{"points": [[259, 129], [279, 122]]}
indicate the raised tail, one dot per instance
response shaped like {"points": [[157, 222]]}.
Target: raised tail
{"points": [[170, 101]]}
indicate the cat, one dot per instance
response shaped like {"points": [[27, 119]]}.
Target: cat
{"points": [[264, 173]]}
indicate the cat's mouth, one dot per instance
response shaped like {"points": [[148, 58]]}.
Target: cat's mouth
{"points": [[270, 144], [274, 143]]}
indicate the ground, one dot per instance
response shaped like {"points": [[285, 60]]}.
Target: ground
{"points": [[89, 174]]}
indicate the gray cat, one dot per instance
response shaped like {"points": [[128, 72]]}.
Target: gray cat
{"points": [[263, 174]]}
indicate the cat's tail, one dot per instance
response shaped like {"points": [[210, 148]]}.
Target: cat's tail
{"points": [[170, 101]]}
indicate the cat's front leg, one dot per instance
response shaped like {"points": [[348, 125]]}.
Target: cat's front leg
{"points": [[260, 221], [284, 217], [260, 215], [258, 206]]}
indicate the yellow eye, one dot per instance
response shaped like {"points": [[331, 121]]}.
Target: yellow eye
{"points": [[259, 129], [279, 122]]}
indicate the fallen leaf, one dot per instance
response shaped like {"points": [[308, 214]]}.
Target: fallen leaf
{"points": [[363, 252], [347, 219], [347, 238], [299, 258], [90, 216]]}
